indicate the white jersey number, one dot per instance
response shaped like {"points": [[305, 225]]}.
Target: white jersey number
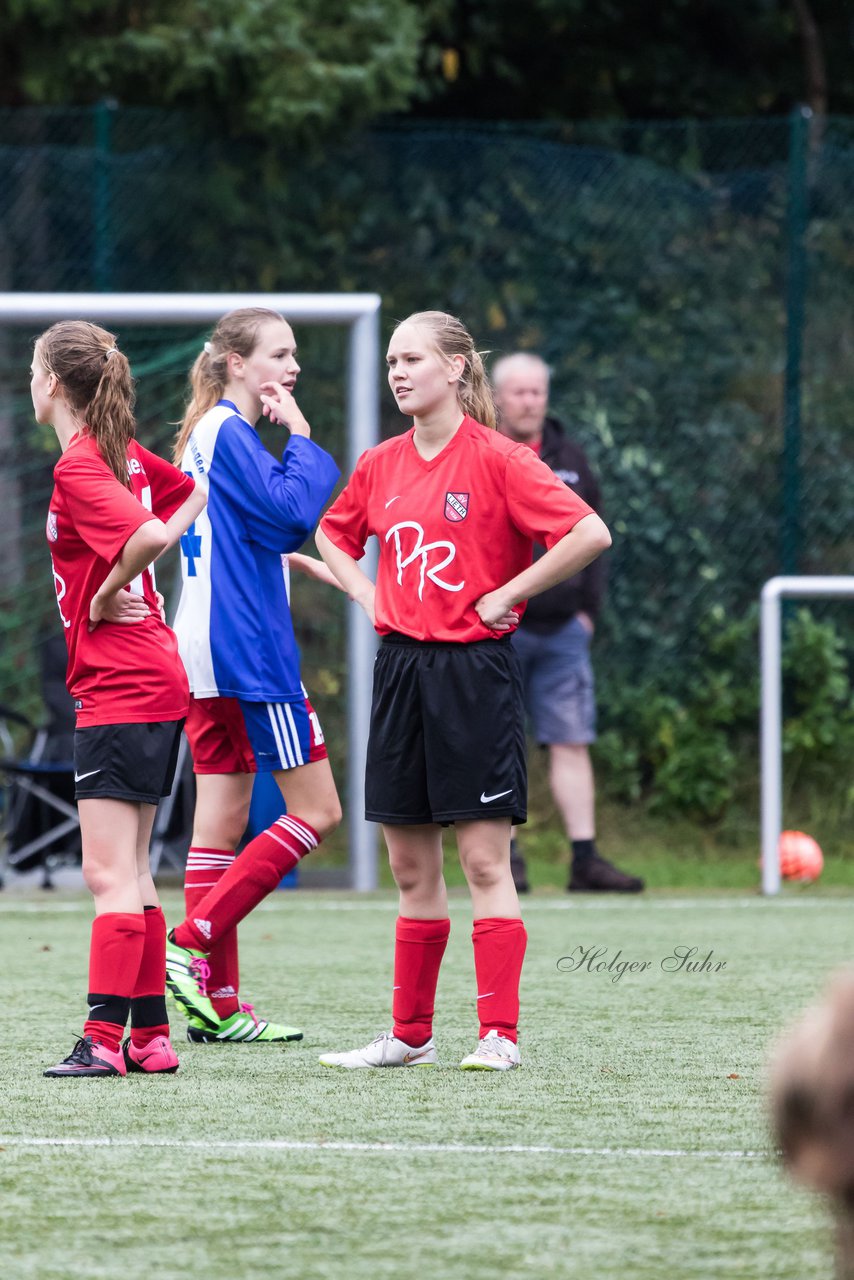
{"points": [[137, 584]]}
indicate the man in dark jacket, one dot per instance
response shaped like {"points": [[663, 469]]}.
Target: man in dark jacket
{"points": [[553, 640]]}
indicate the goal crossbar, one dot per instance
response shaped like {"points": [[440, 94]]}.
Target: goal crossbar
{"points": [[771, 713], [361, 313]]}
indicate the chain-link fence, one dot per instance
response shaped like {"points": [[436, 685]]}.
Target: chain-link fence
{"points": [[689, 283]]}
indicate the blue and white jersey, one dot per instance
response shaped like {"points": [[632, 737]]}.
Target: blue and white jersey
{"points": [[233, 623]]}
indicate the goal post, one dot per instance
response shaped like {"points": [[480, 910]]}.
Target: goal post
{"points": [[360, 312], [771, 705]]}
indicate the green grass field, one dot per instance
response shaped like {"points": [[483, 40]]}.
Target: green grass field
{"points": [[632, 1144]]}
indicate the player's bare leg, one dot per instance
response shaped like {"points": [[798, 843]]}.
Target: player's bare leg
{"points": [[222, 809], [310, 794], [416, 860], [484, 856], [110, 834]]}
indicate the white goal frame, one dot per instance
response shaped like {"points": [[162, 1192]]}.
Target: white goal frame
{"points": [[361, 313], [771, 707]]}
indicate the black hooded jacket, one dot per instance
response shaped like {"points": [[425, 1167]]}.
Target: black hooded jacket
{"points": [[585, 591]]}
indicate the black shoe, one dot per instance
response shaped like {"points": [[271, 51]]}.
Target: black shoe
{"points": [[89, 1059], [518, 870], [596, 875]]}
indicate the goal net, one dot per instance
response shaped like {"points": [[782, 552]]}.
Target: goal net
{"points": [[338, 341]]}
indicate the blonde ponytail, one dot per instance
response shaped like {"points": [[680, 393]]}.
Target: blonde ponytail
{"points": [[476, 394], [207, 383]]}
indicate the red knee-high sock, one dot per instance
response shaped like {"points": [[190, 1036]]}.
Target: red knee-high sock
{"points": [[148, 1016], [419, 946], [499, 949], [205, 869], [249, 879], [115, 954]]}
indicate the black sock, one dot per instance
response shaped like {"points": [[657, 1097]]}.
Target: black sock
{"points": [[582, 851]]}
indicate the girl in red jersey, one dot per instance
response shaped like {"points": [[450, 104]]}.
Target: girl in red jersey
{"points": [[115, 508], [456, 508]]}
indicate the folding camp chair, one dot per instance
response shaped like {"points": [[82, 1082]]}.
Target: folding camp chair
{"points": [[40, 820]]}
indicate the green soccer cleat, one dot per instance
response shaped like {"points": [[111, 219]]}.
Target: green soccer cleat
{"points": [[187, 973], [242, 1027]]}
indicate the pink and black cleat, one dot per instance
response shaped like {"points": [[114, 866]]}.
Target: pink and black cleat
{"points": [[88, 1058], [156, 1058]]}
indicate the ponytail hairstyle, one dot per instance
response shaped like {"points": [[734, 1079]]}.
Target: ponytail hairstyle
{"points": [[97, 385], [452, 338], [238, 331]]}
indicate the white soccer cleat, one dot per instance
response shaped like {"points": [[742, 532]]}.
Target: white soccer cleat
{"points": [[493, 1053], [385, 1051]]}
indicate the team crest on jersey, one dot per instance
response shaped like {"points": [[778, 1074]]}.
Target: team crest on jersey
{"points": [[456, 507], [52, 530]]}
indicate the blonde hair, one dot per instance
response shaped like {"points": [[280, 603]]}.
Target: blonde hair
{"points": [[96, 383], [237, 331], [452, 338]]}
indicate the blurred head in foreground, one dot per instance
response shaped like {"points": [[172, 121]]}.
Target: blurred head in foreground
{"points": [[812, 1101]]}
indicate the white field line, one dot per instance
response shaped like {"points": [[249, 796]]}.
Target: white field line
{"points": [[393, 1148], [288, 901]]}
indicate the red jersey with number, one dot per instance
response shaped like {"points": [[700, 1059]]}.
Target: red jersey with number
{"points": [[120, 673], [449, 529]]}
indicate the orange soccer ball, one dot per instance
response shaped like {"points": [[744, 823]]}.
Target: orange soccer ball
{"points": [[800, 856]]}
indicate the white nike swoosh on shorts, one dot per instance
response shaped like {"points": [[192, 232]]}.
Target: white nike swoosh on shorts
{"points": [[78, 777], [485, 799]]}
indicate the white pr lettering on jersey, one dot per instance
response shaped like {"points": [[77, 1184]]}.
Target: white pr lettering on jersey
{"points": [[421, 550], [61, 588]]}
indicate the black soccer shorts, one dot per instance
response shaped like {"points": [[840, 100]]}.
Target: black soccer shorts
{"points": [[134, 762], [447, 740]]}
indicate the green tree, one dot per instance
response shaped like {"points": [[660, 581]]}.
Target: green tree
{"points": [[306, 66], [317, 66], [634, 59]]}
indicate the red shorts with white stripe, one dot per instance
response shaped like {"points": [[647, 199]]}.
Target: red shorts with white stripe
{"points": [[228, 735]]}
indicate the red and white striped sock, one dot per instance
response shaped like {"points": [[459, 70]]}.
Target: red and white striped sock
{"points": [[248, 880], [205, 868]]}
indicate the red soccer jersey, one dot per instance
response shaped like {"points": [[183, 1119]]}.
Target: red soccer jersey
{"points": [[118, 673], [450, 529]]}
